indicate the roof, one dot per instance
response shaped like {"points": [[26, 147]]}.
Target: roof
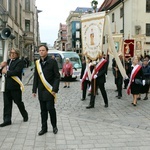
{"points": [[107, 4], [83, 9]]}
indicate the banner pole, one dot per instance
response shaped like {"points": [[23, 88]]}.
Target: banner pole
{"points": [[4, 59]]}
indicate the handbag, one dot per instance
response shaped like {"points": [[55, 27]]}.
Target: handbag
{"points": [[138, 81]]}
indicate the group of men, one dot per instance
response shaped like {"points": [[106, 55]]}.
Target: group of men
{"points": [[93, 76], [46, 80]]}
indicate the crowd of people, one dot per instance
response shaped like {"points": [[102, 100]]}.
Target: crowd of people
{"points": [[47, 79]]}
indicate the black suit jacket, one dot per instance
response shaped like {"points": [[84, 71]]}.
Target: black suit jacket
{"points": [[101, 75], [83, 69], [15, 69], [51, 73]]}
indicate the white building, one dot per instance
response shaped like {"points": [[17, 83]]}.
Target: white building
{"points": [[131, 18]]}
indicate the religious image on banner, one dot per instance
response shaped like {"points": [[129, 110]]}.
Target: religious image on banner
{"points": [[139, 41], [92, 34], [138, 48], [129, 48], [118, 41]]}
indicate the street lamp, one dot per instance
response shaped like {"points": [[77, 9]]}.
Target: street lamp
{"points": [[94, 4]]}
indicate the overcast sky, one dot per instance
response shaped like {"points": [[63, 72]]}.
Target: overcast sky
{"points": [[55, 12]]}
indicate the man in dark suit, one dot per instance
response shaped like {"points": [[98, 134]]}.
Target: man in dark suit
{"points": [[100, 77], [13, 74], [46, 80]]}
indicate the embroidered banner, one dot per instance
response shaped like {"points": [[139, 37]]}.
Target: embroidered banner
{"points": [[92, 34]]}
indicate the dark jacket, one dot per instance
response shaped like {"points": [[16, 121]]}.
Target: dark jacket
{"points": [[15, 69], [101, 76], [51, 74], [83, 69]]}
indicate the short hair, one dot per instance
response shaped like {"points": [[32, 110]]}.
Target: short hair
{"points": [[17, 51], [67, 59], [43, 46]]}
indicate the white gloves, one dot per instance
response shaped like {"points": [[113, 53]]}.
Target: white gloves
{"points": [[143, 82], [95, 76], [80, 80]]}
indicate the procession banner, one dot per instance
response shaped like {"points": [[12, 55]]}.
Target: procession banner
{"points": [[92, 34], [139, 41], [112, 45], [129, 48], [118, 41]]}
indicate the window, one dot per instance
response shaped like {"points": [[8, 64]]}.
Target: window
{"points": [[16, 10], [27, 5], [148, 29], [77, 34], [27, 25], [77, 25], [121, 12], [77, 44], [147, 5], [9, 6], [113, 17]]}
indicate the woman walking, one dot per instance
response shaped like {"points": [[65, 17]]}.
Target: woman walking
{"points": [[67, 71]]}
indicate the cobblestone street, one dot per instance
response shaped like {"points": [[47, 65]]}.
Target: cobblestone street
{"points": [[118, 127]]}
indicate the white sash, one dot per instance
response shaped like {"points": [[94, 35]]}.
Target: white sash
{"points": [[41, 75]]}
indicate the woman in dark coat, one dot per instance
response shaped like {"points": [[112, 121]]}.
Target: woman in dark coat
{"points": [[136, 78]]}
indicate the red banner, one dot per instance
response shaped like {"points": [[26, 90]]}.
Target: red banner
{"points": [[129, 48]]}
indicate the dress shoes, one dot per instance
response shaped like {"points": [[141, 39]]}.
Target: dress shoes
{"points": [[5, 124], [146, 98], [90, 106], [42, 132], [106, 105], [82, 99], [25, 119], [119, 97], [133, 104], [55, 130]]}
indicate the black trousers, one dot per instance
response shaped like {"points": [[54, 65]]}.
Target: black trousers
{"points": [[103, 92], [119, 82], [86, 83], [47, 107], [9, 97]]}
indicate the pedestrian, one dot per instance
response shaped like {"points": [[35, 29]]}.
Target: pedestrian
{"points": [[146, 74], [12, 69], [98, 80], [136, 80], [114, 64], [127, 65], [67, 72], [85, 83], [46, 80], [119, 78]]}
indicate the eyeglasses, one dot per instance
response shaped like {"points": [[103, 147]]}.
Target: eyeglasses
{"points": [[13, 53]]}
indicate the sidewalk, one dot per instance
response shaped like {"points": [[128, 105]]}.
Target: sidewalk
{"points": [[118, 127]]}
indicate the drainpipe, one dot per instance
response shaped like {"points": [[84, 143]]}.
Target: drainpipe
{"points": [[123, 18]]}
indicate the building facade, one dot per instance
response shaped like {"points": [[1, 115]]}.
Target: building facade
{"points": [[131, 18], [23, 22], [74, 40], [60, 43]]}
